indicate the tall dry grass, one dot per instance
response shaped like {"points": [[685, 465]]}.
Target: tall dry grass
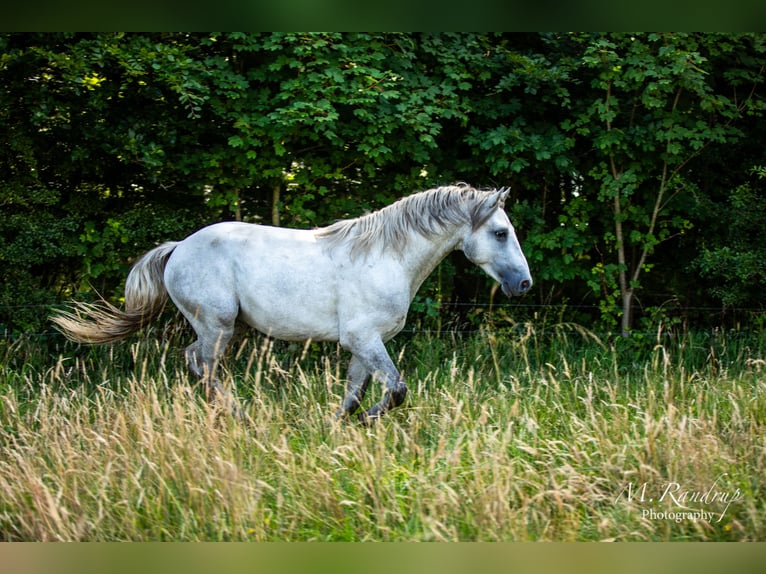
{"points": [[528, 436]]}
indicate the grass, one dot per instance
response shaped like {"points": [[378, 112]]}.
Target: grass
{"points": [[519, 436]]}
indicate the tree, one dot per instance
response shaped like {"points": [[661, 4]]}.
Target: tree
{"points": [[613, 145], [733, 260], [93, 126], [317, 114], [655, 106]]}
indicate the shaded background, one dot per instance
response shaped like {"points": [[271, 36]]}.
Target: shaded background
{"points": [[635, 160]]}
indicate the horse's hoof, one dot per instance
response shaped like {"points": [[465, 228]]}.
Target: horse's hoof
{"points": [[366, 419], [398, 392]]}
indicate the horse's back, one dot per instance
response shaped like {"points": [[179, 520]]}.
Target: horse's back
{"points": [[230, 244], [278, 280]]}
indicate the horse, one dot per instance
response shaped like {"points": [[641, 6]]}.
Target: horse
{"points": [[351, 282]]}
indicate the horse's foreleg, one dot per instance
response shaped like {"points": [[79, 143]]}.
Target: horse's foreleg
{"points": [[358, 380], [393, 396], [374, 358]]}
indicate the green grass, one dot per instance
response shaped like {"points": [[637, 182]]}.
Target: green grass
{"points": [[520, 436]]}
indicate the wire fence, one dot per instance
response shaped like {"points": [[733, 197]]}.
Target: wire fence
{"points": [[445, 306]]}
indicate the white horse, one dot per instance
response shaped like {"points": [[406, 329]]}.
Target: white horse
{"points": [[351, 282]]}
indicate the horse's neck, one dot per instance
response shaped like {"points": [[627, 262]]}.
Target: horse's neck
{"points": [[421, 254]]}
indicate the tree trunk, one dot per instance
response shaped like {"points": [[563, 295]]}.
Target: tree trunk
{"points": [[237, 206], [627, 312], [276, 192], [626, 290]]}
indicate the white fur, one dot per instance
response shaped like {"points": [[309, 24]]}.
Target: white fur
{"points": [[351, 282], [316, 284]]}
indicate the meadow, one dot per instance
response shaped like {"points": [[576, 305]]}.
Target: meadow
{"points": [[514, 433]]}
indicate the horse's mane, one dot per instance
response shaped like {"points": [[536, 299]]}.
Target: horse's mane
{"points": [[426, 213]]}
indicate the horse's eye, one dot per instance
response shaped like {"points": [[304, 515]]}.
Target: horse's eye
{"points": [[501, 234]]}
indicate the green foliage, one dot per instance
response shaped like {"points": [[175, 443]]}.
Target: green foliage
{"points": [[658, 109], [733, 262], [612, 144]]}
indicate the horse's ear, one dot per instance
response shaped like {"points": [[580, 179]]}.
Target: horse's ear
{"points": [[497, 199], [501, 194], [490, 203]]}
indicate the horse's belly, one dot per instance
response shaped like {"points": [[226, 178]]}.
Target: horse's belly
{"points": [[290, 312], [286, 325]]}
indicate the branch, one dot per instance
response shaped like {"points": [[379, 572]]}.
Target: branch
{"points": [[660, 194], [618, 232]]}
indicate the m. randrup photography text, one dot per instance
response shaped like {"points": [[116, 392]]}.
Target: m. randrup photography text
{"points": [[709, 503]]}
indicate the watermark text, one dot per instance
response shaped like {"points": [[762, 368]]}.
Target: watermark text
{"points": [[709, 503]]}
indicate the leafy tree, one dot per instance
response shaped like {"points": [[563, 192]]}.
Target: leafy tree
{"points": [[733, 261], [84, 162], [613, 144], [654, 107], [318, 114]]}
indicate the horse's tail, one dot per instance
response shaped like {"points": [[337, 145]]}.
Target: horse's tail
{"points": [[145, 296]]}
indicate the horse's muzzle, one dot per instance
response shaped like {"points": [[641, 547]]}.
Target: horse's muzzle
{"points": [[517, 287]]}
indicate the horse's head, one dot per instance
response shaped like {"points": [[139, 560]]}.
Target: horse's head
{"points": [[491, 244]]}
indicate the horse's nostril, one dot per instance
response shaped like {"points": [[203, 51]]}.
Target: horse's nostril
{"points": [[525, 285]]}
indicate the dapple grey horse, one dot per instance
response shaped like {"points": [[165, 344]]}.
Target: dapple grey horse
{"points": [[351, 282]]}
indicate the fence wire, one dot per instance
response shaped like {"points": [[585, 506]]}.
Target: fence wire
{"points": [[4, 334]]}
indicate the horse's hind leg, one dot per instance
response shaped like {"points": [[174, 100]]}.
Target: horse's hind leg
{"points": [[202, 357], [203, 366]]}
